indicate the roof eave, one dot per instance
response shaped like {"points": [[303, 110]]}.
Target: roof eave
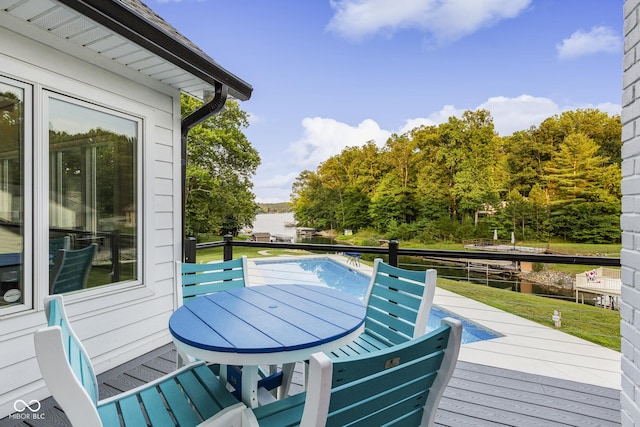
{"points": [[131, 25]]}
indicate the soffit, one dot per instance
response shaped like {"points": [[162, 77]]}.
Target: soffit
{"points": [[142, 49]]}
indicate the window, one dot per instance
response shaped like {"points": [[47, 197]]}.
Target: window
{"points": [[93, 193], [14, 97], [88, 163]]}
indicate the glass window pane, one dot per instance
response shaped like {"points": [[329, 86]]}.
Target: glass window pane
{"points": [[11, 194], [92, 197]]}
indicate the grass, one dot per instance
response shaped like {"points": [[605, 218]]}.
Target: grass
{"points": [[216, 254], [593, 324]]}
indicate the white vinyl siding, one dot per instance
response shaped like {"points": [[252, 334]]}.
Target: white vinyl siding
{"points": [[120, 321]]}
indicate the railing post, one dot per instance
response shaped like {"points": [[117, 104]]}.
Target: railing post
{"points": [[228, 247], [393, 252], [190, 250]]}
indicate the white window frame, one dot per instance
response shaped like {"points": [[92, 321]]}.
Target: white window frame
{"points": [[47, 94], [27, 202]]}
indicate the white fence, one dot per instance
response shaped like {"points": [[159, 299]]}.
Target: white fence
{"points": [[601, 281]]}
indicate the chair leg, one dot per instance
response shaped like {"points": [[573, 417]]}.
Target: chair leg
{"points": [[223, 375], [272, 370], [287, 376]]}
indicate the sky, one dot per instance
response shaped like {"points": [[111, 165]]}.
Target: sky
{"points": [[331, 74]]}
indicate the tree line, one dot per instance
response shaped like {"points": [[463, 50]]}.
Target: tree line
{"points": [[461, 180]]}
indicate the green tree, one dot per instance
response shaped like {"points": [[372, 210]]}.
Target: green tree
{"points": [[517, 209], [220, 165], [476, 156], [582, 207], [313, 204], [434, 181], [398, 184], [539, 211]]}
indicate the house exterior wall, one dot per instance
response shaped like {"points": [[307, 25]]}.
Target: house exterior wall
{"points": [[100, 316], [630, 220]]}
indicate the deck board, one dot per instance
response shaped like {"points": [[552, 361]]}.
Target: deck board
{"points": [[477, 395]]}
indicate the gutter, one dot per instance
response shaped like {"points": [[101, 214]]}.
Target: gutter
{"points": [[212, 107], [134, 26]]}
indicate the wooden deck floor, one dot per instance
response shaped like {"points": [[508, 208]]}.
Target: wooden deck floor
{"points": [[477, 396]]}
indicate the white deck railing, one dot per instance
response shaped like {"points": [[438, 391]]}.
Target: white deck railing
{"points": [[601, 281]]}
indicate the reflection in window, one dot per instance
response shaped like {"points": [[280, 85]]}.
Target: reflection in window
{"points": [[11, 194], [92, 197]]}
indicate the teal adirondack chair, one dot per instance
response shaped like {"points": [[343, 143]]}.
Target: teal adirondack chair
{"points": [[397, 386], [398, 305], [190, 396]]}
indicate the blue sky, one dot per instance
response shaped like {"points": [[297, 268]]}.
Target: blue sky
{"points": [[328, 74]]}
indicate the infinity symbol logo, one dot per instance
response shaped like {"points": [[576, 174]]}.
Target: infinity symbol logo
{"points": [[20, 405]]}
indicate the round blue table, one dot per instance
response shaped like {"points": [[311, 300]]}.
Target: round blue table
{"points": [[266, 325]]}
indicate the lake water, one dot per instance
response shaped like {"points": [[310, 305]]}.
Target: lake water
{"points": [[274, 223]]}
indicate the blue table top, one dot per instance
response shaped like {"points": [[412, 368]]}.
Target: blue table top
{"points": [[267, 319]]}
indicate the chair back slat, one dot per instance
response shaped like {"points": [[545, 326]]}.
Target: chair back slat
{"points": [[204, 279], [401, 284], [390, 288], [131, 411], [237, 276], [71, 269], [388, 329], [415, 276], [398, 302], [392, 306], [192, 291], [155, 408], [75, 352], [109, 414], [180, 407]]}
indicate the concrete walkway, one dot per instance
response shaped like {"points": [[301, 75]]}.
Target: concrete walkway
{"points": [[526, 346]]}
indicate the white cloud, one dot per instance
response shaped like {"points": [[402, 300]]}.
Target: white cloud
{"points": [[433, 119], [509, 114], [325, 137], [273, 188], [609, 108], [445, 20], [520, 113], [598, 40], [278, 181]]}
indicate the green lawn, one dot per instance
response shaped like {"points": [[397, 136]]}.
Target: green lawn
{"points": [[216, 254], [597, 325]]}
